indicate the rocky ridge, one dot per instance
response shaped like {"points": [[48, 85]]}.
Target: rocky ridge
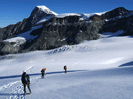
{"points": [[50, 30]]}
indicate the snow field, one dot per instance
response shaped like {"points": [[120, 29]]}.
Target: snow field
{"points": [[100, 69]]}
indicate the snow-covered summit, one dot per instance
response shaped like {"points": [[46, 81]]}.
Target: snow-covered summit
{"points": [[39, 13], [46, 10], [92, 14], [42, 7]]}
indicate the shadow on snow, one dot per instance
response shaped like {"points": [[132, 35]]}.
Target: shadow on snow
{"points": [[35, 74], [127, 64], [106, 73]]}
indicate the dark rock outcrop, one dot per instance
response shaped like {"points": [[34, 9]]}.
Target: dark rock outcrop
{"points": [[115, 20], [8, 48]]}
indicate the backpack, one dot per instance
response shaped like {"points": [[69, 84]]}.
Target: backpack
{"points": [[28, 78], [42, 70], [65, 67]]}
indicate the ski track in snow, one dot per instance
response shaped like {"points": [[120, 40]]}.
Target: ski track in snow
{"points": [[7, 86], [17, 89], [16, 93]]}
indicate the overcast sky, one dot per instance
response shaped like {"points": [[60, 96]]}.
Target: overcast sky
{"points": [[13, 11]]}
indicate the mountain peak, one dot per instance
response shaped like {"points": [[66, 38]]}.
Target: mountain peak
{"points": [[120, 10], [46, 10], [39, 13]]}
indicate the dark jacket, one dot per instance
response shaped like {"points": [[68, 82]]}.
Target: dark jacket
{"points": [[24, 79]]}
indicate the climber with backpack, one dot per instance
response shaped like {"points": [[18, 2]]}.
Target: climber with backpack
{"points": [[26, 81], [43, 72], [65, 68]]}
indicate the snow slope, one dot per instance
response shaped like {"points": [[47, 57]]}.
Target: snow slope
{"points": [[99, 69], [23, 37], [18, 40], [44, 19], [67, 14], [27, 35]]}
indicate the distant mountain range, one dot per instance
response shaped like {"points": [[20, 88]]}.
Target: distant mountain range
{"points": [[45, 29]]}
